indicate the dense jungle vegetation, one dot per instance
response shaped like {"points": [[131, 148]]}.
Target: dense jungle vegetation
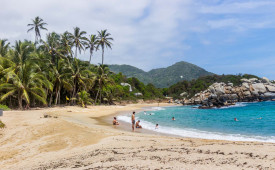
{"points": [[48, 72]]}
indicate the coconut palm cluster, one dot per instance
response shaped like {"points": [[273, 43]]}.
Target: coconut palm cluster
{"points": [[48, 71]]}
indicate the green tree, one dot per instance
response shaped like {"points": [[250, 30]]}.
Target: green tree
{"points": [[91, 45], [102, 79], [24, 77], [4, 47], [104, 41], [37, 25], [84, 98], [79, 41], [66, 44], [82, 77]]}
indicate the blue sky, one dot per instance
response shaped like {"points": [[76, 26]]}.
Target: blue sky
{"points": [[224, 37]]}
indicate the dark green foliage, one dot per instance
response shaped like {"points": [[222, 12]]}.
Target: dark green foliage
{"points": [[163, 77], [194, 86], [149, 91], [4, 107], [2, 125], [48, 72]]}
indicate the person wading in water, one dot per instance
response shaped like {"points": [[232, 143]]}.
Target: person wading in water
{"points": [[133, 121]]}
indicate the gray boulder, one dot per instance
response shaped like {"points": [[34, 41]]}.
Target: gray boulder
{"points": [[245, 85], [230, 84], [270, 88], [245, 80], [259, 87], [247, 93], [254, 80], [268, 94], [255, 93], [265, 80]]}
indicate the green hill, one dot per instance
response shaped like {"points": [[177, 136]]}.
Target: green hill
{"points": [[163, 77]]}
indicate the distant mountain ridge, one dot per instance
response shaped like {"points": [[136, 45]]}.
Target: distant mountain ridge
{"points": [[162, 77]]}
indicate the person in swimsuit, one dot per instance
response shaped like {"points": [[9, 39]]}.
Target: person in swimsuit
{"points": [[115, 122], [137, 124], [157, 126], [133, 121], [173, 118]]}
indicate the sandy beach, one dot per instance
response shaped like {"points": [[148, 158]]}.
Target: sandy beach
{"points": [[77, 138]]}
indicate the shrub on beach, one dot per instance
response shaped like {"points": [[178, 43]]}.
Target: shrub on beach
{"points": [[4, 107], [2, 125], [84, 98]]}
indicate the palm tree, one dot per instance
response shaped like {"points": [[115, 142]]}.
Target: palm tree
{"points": [[37, 24], [91, 45], [67, 43], [104, 41], [31, 84], [79, 40], [52, 46], [4, 47], [102, 79], [56, 49], [83, 77], [23, 77], [84, 98]]}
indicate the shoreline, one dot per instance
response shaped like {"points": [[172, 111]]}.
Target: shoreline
{"points": [[126, 126], [78, 138]]}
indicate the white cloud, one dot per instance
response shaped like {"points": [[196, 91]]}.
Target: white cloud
{"points": [[147, 33]]}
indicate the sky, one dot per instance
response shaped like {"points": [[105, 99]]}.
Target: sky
{"points": [[221, 36]]}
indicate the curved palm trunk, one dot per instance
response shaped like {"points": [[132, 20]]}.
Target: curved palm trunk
{"points": [[98, 91], [59, 95], [100, 97], [102, 55], [75, 52], [20, 101], [90, 58], [51, 98], [74, 92]]}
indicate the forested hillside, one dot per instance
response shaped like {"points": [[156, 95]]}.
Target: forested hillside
{"points": [[163, 77]]}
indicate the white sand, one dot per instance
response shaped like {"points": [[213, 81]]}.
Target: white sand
{"points": [[77, 140]]}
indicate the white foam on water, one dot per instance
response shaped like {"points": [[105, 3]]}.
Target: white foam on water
{"points": [[157, 108], [239, 104], [193, 133]]}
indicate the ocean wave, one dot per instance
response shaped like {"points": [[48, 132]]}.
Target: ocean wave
{"points": [[240, 104], [193, 133], [157, 108]]}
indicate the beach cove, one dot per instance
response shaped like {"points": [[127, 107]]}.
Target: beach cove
{"points": [[74, 137]]}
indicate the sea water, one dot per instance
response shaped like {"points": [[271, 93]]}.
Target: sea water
{"points": [[256, 121]]}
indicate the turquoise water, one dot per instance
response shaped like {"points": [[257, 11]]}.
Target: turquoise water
{"points": [[256, 121]]}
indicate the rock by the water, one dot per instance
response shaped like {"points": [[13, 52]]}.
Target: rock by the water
{"points": [[259, 87], [270, 88], [265, 80], [221, 94]]}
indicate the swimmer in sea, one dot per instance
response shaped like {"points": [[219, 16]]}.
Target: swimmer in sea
{"points": [[173, 118], [235, 119], [157, 126]]}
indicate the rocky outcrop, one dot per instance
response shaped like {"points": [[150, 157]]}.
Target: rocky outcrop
{"points": [[224, 94]]}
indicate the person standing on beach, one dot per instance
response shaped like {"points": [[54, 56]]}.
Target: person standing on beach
{"points": [[133, 121]]}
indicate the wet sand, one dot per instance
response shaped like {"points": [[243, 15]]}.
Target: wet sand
{"points": [[79, 139]]}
